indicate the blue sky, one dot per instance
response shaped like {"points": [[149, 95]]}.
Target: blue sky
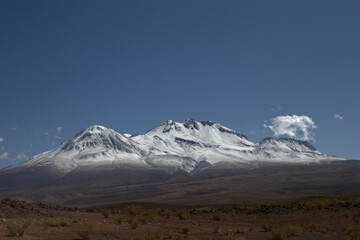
{"points": [[130, 65]]}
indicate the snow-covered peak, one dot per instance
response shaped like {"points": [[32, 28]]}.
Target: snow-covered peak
{"points": [[205, 132], [97, 136]]}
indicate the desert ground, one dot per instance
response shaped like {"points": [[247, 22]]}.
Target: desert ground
{"points": [[322, 218]]}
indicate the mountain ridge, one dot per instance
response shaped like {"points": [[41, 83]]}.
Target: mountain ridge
{"points": [[170, 146]]}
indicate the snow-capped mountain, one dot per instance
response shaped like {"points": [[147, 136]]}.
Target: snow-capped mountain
{"points": [[190, 146]]}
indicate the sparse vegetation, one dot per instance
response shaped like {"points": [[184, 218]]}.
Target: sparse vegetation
{"points": [[17, 229], [217, 216], [56, 223], [292, 230], [167, 213], [182, 214], [356, 217], [353, 232], [119, 220], [273, 221], [134, 225], [277, 234], [146, 216], [133, 210], [153, 234], [216, 229], [267, 225], [185, 229], [105, 212], [85, 231]]}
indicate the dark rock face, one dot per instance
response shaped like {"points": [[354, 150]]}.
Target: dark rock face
{"points": [[191, 124], [181, 140], [208, 123], [287, 141]]}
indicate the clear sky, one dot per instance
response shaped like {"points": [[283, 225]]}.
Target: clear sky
{"points": [[129, 65]]}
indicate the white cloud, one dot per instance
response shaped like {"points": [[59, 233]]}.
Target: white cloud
{"points": [[338, 116], [58, 130], [293, 126], [1, 139], [21, 156], [4, 155]]}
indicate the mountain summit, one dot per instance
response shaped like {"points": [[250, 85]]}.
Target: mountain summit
{"points": [[170, 146]]}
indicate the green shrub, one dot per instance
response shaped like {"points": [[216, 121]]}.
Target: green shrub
{"points": [[2, 215], [267, 225], [56, 223], [185, 229], [85, 230], [17, 229]]}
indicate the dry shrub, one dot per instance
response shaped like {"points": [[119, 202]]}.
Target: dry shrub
{"points": [[134, 225], [85, 230], [153, 234], [133, 210], [353, 232], [167, 213], [119, 220], [182, 214], [105, 212], [147, 216], [185, 229], [204, 236], [217, 216], [356, 217], [267, 225], [293, 230], [277, 234], [17, 229]]}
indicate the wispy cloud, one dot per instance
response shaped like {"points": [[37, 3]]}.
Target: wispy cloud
{"points": [[276, 108], [58, 130], [1, 139], [21, 156], [338, 116], [4, 155], [53, 137], [57, 135], [293, 126]]}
